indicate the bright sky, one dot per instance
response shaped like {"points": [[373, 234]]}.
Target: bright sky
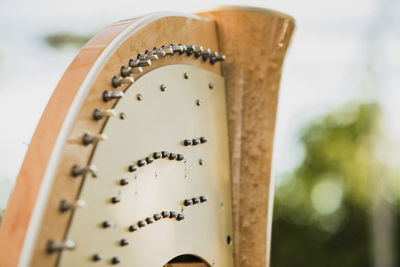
{"points": [[325, 67]]}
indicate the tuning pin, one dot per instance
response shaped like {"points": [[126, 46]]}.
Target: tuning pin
{"points": [[217, 58], [168, 50], [109, 95], [206, 54], [53, 246], [99, 114], [119, 81], [148, 55], [135, 63], [184, 47], [66, 205], [88, 139], [127, 71], [159, 52], [198, 52], [190, 49], [77, 170], [177, 49]]}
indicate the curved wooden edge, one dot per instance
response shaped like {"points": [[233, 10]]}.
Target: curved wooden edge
{"points": [[23, 198], [22, 203], [255, 42]]}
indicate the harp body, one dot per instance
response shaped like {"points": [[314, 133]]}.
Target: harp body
{"points": [[154, 152]]}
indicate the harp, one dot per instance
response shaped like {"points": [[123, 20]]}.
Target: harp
{"points": [[155, 148]]}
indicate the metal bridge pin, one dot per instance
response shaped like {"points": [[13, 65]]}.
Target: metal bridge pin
{"points": [[66, 205], [157, 155], [157, 217], [53, 246], [109, 95], [149, 220], [106, 224], [195, 142], [172, 156], [88, 139], [97, 257], [141, 224], [163, 87], [173, 214], [141, 163], [123, 181], [135, 63], [203, 139], [115, 260], [99, 114], [77, 170], [203, 199], [165, 214], [196, 200], [133, 228], [115, 200], [198, 52], [124, 242], [149, 160], [187, 142], [165, 154], [132, 168], [187, 202], [180, 217], [180, 157], [119, 81]]}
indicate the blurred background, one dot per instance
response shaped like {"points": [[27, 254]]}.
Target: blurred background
{"points": [[336, 163]]}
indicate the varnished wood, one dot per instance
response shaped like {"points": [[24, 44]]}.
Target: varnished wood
{"points": [[19, 211], [255, 42]]}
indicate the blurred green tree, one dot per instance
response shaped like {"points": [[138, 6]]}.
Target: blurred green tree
{"points": [[323, 210]]}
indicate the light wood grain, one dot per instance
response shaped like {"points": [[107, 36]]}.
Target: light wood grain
{"points": [[255, 42], [19, 211]]}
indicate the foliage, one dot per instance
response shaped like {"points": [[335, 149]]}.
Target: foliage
{"points": [[322, 212], [65, 39]]}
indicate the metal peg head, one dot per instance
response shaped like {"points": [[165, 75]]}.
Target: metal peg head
{"points": [[99, 114], [190, 49], [54, 246], [177, 49], [109, 95], [66, 205], [77, 170], [88, 139], [127, 71], [135, 63], [206, 54], [147, 55], [168, 50], [159, 52], [180, 217], [120, 81], [217, 59], [198, 52]]}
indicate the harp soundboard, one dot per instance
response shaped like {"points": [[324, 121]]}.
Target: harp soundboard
{"points": [[155, 148]]}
